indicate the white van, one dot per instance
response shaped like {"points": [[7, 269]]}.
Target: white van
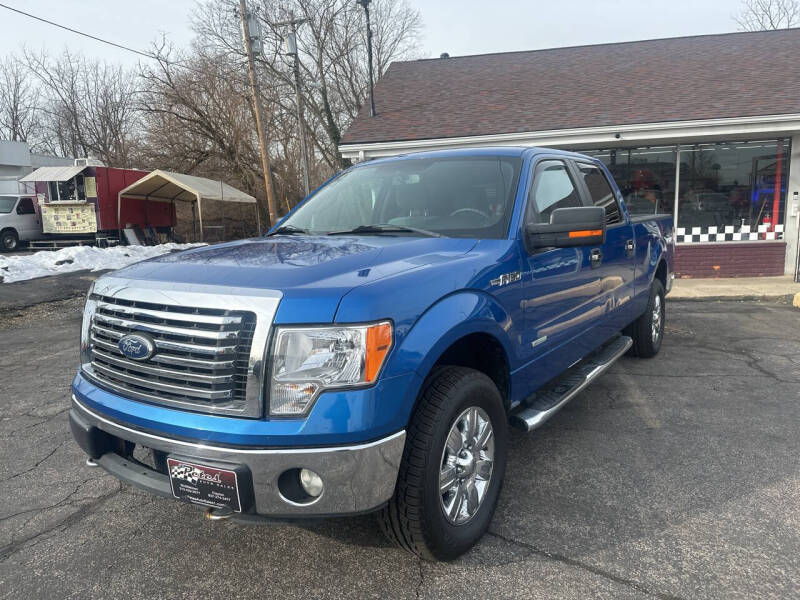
{"points": [[18, 221]]}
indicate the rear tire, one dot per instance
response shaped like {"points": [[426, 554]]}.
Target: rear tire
{"points": [[459, 423], [648, 330], [9, 240]]}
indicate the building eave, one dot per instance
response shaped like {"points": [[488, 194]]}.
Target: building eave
{"points": [[606, 136]]}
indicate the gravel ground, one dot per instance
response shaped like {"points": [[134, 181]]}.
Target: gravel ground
{"points": [[676, 477]]}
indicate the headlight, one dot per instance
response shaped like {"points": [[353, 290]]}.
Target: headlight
{"points": [[306, 361], [88, 312]]}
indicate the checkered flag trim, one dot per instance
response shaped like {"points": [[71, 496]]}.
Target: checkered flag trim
{"points": [[728, 233], [186, 472]]}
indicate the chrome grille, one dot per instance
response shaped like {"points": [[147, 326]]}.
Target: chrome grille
{"points": [[201, 359]]}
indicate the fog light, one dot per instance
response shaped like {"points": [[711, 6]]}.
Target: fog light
{"points": [[311, 482]]}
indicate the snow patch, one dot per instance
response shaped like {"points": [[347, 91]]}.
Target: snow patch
{"points": [[79, 258]]}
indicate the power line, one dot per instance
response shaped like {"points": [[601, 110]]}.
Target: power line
{"points": [[110, 43], [88, 35]]}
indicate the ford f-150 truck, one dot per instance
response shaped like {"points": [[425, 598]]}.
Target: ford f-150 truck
{"points": [[370, 352]]}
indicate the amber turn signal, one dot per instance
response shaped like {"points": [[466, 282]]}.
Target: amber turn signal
{"points": [[586, 233], [379, 342]]}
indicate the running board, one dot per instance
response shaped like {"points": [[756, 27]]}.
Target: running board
{"points": [[550, 399]]}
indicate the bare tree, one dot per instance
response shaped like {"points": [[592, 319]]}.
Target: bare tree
{"points": [[191, 111], [198, 118], [332, 46], [88, 107], [19, 103], [764, 15]]}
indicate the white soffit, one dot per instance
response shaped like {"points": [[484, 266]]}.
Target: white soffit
{"points": [[667, 132]]}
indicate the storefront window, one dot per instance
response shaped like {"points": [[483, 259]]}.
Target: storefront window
{"points": [[732, 191], [645, 176]]}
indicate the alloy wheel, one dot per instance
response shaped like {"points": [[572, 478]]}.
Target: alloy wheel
{"points": [[655, 321], [466, 467]]}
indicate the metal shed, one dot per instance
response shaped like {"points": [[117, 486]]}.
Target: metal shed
{"points": [[164, 186]]}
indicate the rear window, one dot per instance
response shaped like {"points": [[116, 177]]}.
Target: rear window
{"points": [[600, 191]]}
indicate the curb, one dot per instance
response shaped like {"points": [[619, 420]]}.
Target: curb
{"points": [[792, 299]]}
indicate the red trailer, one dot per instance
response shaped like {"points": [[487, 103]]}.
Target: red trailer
{"points": [[82, 199]]}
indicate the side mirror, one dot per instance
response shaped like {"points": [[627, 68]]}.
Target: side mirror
{"points": [[580, 226]]}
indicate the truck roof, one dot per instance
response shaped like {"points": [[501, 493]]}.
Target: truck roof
{"points": [[511, 151]]}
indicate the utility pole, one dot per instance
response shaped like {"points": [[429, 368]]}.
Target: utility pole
{"points": [[247, 21], [365, 4], [291, 50]]}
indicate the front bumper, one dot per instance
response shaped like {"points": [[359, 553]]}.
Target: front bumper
{"points": [[358, 478]]}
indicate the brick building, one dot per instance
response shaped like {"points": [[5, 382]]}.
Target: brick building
{"points": [[706, 128]]}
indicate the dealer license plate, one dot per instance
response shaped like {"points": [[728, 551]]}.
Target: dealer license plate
{"points": [[204, 485]]}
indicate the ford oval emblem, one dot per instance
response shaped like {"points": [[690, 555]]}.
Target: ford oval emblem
{"points": [[137, 346]]}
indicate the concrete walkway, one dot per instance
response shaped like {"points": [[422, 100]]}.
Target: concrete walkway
{"points": [[744, 287]]}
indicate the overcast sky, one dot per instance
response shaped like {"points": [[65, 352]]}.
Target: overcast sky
{"points": [[455, 26]]}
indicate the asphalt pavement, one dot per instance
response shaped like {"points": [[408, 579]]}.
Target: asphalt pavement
{"points": [[676, 477]]}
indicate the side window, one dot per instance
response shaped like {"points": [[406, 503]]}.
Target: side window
{"points": [[600, 191], [25, 207], [552, 188]]}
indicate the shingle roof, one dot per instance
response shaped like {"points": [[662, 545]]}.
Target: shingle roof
{"points": [[678, 79]]}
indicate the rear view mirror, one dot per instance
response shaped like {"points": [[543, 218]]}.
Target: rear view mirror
{"points": [[580, 226]]}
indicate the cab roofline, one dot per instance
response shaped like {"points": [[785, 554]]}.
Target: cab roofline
{"points": [[504, 151]]}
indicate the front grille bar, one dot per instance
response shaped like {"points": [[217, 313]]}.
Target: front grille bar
{"points": [[188, 318], [130, 325], [169, 359], [170, 345], [164, 373], [164, 387]]}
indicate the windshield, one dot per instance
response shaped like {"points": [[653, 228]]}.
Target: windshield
{"points": [[460, 197], [7, 204]]}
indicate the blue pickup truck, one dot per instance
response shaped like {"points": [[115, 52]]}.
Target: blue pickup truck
{"points": [[371, 351]]}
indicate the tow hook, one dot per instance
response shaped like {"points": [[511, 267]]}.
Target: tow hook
{"points": [[217, 514]]}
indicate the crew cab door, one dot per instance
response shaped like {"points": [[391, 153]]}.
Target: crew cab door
{"points": [[562, 301], [615, 262]]}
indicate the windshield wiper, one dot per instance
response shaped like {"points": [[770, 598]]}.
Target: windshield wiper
{"points": [[288, 230], [386, 228]]}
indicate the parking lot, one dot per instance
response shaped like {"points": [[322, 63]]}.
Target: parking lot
{"points": [[676, 477]]}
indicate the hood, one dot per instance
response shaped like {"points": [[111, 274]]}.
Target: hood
{"points": [[318, 268]]}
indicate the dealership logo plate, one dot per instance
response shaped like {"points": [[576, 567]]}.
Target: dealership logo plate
{"points": [[203, 485]]}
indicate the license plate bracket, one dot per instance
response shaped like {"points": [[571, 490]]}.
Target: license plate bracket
{"points": [[210, 484]]}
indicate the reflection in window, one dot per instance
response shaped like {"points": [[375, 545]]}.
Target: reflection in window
{"points": [[728, 191], [552, 189], [459, 197], [731, 189], [645, 176], [600, 192]]}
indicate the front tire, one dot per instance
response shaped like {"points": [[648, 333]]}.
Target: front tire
{"points": [[648, 330], [452, 469], [9, 240]]}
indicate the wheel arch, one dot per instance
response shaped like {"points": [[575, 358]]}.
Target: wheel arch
{"points": [[660, 272], [468, 329]]}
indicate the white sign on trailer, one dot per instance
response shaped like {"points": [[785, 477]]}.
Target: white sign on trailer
{"points": [[68, 218]]}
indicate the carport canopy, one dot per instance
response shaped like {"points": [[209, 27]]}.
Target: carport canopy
{"points": [[165, 186]]}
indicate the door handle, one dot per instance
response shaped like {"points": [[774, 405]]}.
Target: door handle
{"points": [[596, 257], [630, 248]]}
